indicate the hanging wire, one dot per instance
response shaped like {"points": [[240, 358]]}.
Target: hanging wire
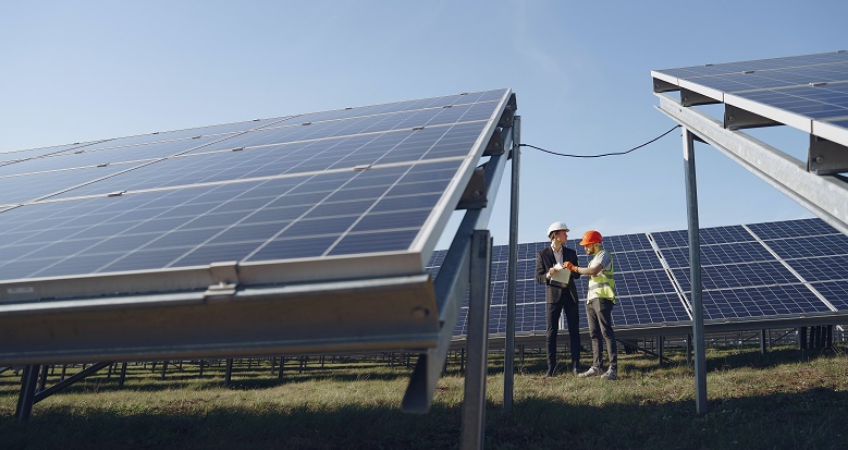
{"points": [[605, 154]]}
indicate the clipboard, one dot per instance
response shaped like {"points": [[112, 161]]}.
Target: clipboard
{"points": [[562, 275]]}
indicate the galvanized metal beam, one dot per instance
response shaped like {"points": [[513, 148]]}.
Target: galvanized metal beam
{"points": [[826, 197]]}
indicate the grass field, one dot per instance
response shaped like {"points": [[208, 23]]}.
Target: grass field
{"points": [[786, 399]]}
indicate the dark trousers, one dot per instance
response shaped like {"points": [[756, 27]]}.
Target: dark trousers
{"points": [[553, 313], [599, 315]]}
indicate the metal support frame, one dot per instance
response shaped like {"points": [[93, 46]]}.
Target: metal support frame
{"points": [[26, 398], [450, 286], [695, 272], [823, 196], [825, 157], [512, 275], [474, 404], [30, 394], [763, 342]]}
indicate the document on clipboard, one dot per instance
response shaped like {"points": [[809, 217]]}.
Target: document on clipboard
{"points": [[562, 275]]}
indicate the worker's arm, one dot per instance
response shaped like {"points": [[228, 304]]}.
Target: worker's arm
{"points": [[593, 270]]}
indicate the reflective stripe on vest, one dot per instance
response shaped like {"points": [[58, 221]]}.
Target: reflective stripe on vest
{"points": [[602, 285]]}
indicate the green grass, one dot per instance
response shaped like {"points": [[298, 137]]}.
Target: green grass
{"points": [[785, 399]]}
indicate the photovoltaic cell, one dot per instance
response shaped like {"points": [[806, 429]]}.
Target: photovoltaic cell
{"points": [[792, 228], [835, 291], [823, 268], [804, 247], [760, 302], [650, 309], [719, 254], [738, 275]]}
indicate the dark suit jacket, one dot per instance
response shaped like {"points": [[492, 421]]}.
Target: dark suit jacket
{"points": [[544, 261]]}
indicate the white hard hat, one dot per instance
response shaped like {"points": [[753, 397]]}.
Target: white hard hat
{"points": [[556, 226]]}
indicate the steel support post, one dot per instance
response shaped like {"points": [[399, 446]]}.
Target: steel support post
{"points": [[123, 374], [660, 347], [229, 376], [763, 342], [26, 398], [512, 275], [695, 272], [474, 404], [42, 381]]}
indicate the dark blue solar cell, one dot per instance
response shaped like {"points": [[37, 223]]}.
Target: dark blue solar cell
{"points": [[760, 301], [671, 239], [25, 188], [314, 227], [292, 248], [791, 228], [636, 261], [249, 233], [374, 242], [823, 268], [641, 283], [211, 253], [722, 254], [835, 244], [395, 220], [627, 242], [836, 293], [651, 309], [738, 275]]}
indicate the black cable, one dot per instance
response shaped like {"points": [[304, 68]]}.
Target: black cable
{"points": [[605, 154]]}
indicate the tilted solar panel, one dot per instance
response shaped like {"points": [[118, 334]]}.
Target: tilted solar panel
{"points": [[809, 92], [227, 237]]}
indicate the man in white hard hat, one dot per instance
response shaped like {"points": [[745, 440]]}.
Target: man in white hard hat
{"points": [[560, 294]]}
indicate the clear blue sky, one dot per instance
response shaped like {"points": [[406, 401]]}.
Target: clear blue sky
{"points": [[78, 71]]}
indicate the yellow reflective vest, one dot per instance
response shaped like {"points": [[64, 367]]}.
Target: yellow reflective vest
{"points": [[602, 285]]}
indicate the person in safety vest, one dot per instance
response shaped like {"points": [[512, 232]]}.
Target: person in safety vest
{"points": [[560, 294], [600, 300]]}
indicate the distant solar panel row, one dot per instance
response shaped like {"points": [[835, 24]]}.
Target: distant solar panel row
{"points": [[741, 277]]}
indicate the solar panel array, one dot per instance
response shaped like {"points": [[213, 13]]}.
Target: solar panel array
{"points": [[812, 89], [749, 272], [346, 182]]}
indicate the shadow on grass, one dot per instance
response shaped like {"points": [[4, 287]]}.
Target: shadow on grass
{"points": [[246, 379], [808, 419]]}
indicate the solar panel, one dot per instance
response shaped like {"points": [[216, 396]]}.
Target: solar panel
{"points": [[801, 91], [354, 185], [236, 239]]}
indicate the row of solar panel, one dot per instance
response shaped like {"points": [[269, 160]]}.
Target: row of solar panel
{"points": [[740, 279]]}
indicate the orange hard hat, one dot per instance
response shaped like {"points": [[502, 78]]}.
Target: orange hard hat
{"points": [[591, 237]]}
